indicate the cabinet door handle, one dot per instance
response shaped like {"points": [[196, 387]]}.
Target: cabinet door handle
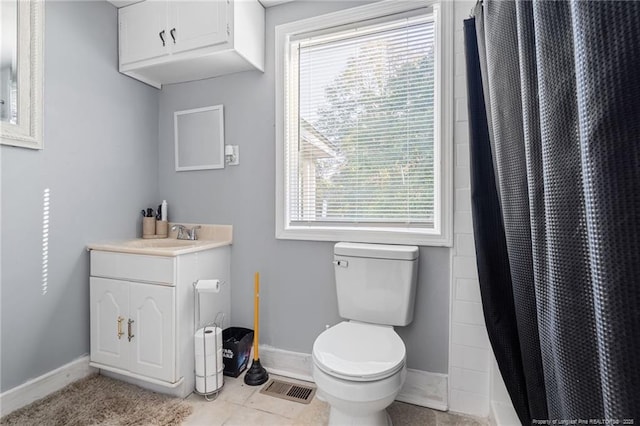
{"points": [[173, 35], [161, 34], [120, 332], [130, 334]]}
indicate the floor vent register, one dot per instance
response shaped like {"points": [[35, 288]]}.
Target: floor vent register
{"points": [[289, 391]]}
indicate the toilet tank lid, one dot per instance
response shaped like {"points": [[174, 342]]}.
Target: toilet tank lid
{"points": [[376, 251]]}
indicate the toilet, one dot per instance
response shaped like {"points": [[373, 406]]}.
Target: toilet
{"points": [[359, 364]]}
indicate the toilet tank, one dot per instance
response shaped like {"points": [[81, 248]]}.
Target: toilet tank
{"points": [[376, 283]]}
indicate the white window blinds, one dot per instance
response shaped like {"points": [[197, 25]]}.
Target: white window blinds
{"points": [[361, 126]]}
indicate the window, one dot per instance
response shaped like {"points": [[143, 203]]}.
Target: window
{"points": [[361, 125]]}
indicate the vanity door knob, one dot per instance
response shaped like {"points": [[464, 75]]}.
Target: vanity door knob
{"points": [[161, 34], [130, 334], [173, 35]]}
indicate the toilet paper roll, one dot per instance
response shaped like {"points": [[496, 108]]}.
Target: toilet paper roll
{"points": [[213, 382], [213, 363], [212, 340], [208, 286]]}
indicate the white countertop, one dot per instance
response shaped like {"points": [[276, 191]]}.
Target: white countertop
{"points": [[209, 237]]}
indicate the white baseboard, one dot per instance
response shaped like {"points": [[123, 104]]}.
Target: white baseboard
{"points": [[421, 387], [44, 385], [179, 389], [425, 389], [296, 365], [502, 414]]}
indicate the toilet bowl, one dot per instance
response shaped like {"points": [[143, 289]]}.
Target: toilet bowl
{"points": [[359, 370], [359, 365]]}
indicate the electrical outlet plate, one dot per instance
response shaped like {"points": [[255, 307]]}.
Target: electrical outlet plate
{"points": [[232, 155]]}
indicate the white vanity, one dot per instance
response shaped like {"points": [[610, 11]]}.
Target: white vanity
{"points": [[142, 305]]}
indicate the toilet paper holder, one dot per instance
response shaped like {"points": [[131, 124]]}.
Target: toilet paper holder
{"points": [[209, 394]]}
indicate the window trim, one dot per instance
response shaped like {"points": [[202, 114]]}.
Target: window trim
{"points": [[442, 233]]}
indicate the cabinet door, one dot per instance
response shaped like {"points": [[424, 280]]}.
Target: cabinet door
{"points": [[195, 24], [152, 312], [109, 314], [141, 27]]}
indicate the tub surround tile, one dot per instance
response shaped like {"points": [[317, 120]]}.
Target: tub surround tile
{"points": [[468, 290], [470, 358], [470, 335]]}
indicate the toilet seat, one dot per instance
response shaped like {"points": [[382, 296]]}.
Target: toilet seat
{"points": [[359, 352]]}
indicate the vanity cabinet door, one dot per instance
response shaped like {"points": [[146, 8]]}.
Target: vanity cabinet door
{"points": [[196, 24], [152, 331], [141, 28], [109, 301]]}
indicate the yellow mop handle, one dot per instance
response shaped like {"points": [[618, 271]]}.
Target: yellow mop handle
{"points": [[256, 315]]}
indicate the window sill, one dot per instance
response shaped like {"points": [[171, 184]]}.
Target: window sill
{"points": [[363, 235]]}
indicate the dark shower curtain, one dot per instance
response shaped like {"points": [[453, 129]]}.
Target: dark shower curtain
{"points": [[554, 102]]}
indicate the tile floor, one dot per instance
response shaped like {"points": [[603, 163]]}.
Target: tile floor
{"points": [[242, 405]]}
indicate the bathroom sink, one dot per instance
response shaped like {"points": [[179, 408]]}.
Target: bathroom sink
{"points": [[209, 236]]}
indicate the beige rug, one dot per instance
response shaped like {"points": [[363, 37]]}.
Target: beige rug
{"points": [[100, 400]]}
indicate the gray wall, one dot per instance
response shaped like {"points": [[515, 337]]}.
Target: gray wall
{"points": [[100, 164], [298, 292]]}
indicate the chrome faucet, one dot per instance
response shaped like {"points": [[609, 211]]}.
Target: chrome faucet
{"points": [[185, 233]]}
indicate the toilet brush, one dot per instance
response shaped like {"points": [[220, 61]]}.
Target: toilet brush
{"points": [[256, 375]]}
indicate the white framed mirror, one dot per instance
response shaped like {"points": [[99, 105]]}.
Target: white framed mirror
{"points": [[21, 72], [199, 138]]}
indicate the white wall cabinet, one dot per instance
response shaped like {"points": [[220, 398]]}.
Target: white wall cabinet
{"points": [[163, 41], [142, 314]]}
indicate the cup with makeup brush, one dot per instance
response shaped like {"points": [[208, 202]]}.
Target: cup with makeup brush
{"points": [[148, 224]]}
